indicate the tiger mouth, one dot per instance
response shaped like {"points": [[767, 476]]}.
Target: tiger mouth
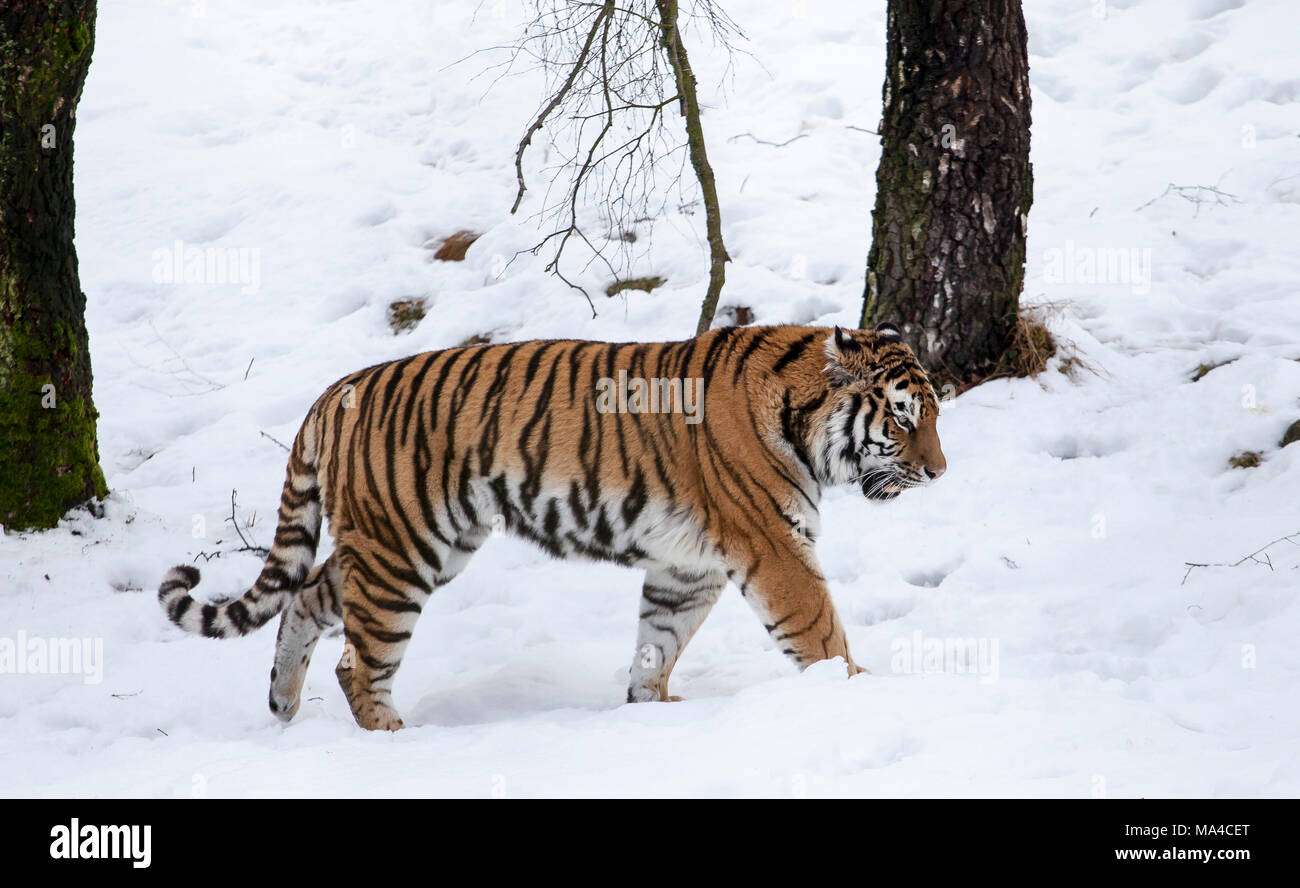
{"points": [[881, 486]]}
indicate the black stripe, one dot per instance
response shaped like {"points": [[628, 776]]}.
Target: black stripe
{"points": [[635, 500], [417, 384], [755, 343], [794, 352]]}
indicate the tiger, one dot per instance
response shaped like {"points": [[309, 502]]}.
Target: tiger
{"points": [[416, 461]]}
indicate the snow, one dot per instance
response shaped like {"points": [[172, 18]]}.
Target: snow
{"points": [[332, 143]]}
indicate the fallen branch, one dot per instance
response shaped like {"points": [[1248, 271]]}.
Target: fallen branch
{"points": [[1252, 557], [1195, 195], [194, 377]]}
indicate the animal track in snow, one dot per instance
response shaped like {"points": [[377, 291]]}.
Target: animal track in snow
{"points": [[930, 577], [377, 214], [1070, 447], [1207, 9], [1189, 46], [1194, 86]]}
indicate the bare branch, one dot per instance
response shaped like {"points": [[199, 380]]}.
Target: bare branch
{"points": [[611, 70], [602, 18]]}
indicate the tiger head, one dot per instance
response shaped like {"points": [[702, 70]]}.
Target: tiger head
{"points": [[878, 427]]}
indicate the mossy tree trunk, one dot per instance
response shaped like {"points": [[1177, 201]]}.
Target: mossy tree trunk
{"points": [[49, 454], [954, 184]]}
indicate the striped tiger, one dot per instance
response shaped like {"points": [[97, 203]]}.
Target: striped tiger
{"points": [[416, 461]]}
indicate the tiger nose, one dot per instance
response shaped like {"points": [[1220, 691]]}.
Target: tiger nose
{"points": [[933, 472]]}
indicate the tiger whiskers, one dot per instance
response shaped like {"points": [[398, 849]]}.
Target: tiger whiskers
{"points": [[882, 473], [883, 483], [879, 483]]}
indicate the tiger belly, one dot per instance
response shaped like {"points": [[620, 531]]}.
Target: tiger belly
{"points": [[630, 528]]}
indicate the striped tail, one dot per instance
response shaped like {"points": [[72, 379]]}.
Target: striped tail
{"points": [[291, 557]]}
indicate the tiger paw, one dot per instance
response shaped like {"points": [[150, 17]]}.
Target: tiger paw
{"points": [[284, 708], [642, 694]]}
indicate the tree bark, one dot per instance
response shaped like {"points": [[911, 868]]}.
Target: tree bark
{"points": [[690, 108], [954, 185], [49, 452]]}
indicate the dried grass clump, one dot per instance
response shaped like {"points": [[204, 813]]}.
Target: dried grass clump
{"points": [[1203, 369], [1245, 459], [404, 315]]}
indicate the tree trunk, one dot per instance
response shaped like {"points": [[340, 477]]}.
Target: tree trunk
{"points": [[689, 103], [49, 454], [954, 185]]}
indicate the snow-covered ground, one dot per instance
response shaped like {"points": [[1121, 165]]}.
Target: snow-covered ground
{"points": [[336, 139]]}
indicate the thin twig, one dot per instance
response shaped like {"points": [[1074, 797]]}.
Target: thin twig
{"points": [[212, 386], [766, 142], [234, 520]]}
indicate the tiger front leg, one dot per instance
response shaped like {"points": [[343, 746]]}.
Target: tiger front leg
{"points": [[788, 593], [673, 605]]}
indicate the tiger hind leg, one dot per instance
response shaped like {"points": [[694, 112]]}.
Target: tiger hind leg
{"points": [[383, 596], [317, 607], [673, 605]]}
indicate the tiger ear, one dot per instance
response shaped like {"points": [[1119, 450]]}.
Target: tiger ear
{"points": [[838, 346], [889, 332]]}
